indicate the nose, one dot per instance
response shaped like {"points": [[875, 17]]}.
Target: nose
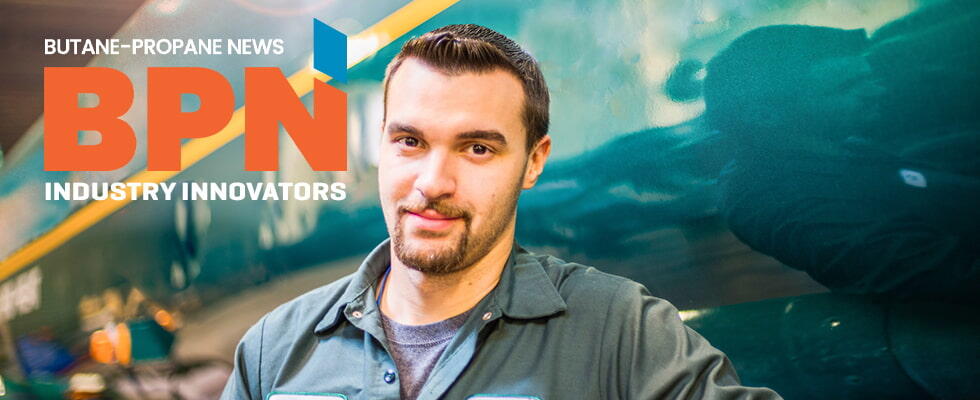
{"points": [[436, 178]]}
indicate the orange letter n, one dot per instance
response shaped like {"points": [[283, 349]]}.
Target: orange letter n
{"points": [[269, 100]]}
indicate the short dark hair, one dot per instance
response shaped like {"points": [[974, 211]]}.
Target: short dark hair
{"points": [[763, 67], [457, 49]]}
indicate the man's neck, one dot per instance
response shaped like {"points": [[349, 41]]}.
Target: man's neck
{"points": [[415, 298]]}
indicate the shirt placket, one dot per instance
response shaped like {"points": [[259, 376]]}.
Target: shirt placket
{"points": [[380, 379], [460, 351]]}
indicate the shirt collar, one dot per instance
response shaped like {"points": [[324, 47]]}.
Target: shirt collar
{"points": [[525, 290]]}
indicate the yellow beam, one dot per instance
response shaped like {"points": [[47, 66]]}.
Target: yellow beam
{"points": [[365, 44]]}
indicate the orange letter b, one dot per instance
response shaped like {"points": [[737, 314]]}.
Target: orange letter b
{"points": [[63, 119]]}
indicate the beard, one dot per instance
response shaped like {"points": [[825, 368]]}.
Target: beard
{"points": [[457, 253]]}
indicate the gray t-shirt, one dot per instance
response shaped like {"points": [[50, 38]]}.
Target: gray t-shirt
{"points": [[416, 348]]}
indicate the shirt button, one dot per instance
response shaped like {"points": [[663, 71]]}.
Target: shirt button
{"points": [[487, 315], [389, 376], [356, 314]]}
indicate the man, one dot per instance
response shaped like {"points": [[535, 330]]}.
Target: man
{"points": [[814, 185], [451, 307]]}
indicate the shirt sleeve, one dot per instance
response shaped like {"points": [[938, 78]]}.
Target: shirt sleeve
{"points": [[653, 355], [244, 382]]}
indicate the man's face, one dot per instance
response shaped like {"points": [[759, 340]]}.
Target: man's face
{"points": [[452, 164]]}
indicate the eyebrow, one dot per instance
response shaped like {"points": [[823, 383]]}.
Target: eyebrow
{"points": [[490, 135], [399, 127], [481, 134]]}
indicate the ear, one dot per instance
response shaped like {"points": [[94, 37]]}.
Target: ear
{"points": [[536, 162]]}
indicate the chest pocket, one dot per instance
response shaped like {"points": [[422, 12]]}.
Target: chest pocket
{"points": [[306, 396]]}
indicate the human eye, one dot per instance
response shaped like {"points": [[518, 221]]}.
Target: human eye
{"points": [[408, 142], [480, 150]]}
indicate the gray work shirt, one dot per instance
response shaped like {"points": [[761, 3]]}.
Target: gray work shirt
{"points": [[549, 330]]}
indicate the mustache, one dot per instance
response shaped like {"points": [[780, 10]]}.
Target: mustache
{"points": [[442, 207]]}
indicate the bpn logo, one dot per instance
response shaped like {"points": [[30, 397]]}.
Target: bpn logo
{"points": [[270, 100]]}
